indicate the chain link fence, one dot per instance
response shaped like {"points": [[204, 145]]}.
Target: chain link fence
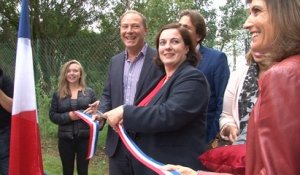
{"points": [[93, 52]]}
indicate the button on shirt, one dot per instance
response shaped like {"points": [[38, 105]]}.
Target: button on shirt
{"points": [[132, 71]]}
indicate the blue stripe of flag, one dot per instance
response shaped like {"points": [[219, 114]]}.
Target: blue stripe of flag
{"points": [[24, 28]]}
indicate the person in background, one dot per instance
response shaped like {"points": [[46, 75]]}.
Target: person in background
{"points": [[130, 74], [73, 132], [240, 96], [213, 64], [6, 95], [169, 122], [272, 145]]}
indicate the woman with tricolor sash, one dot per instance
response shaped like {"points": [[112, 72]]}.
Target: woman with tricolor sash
{"points": [[169, 122]]}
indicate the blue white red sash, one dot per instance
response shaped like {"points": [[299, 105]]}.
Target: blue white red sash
{"points": [[140, 155], [94, 131]]}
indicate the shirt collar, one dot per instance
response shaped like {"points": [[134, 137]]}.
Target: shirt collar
{"points": [[140, 55]]}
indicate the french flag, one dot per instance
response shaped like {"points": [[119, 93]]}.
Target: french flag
{"points": [[25, 146]]}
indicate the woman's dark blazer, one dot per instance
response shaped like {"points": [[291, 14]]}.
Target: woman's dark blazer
{"points": [[172, 128]]}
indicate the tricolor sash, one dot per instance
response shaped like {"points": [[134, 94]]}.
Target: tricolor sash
{"points": [[140, 155], [94, 131]]}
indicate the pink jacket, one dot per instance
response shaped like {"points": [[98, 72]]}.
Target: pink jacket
{"points": [[230, 113]]}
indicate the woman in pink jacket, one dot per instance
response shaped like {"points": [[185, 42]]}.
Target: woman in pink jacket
{"points": [[240, 96]]}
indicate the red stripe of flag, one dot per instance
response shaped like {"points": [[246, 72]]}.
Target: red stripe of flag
{"points": [[25, 150]]}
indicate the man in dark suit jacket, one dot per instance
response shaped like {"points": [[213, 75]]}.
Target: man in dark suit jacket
{"points": [[130, 73], [213, 64]]}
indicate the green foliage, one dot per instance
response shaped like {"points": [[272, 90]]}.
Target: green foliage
{"points": [[92, 50], [48, 18], [209, 14], [61, 19], [7, 57], [158, 13], [234, 15], [58, 19], [231, 33], [9, 20], [47, 128]]}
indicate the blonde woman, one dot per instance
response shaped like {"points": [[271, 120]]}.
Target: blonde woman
{"points": [[73, 133]]}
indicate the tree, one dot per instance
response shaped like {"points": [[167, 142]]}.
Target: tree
{"points": [[52, 21], [9, 20], [230, 33], [52, 18], [209, 14], [158, 14]]}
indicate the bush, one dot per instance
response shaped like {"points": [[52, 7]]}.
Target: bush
{"points": [[47, 128]]}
